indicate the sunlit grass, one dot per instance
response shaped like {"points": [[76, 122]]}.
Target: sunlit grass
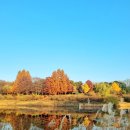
{"points": [[44, 100], [70, 100]]}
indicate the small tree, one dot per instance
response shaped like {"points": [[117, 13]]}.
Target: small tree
{"points": [[90, 84], [85, 88], [116, 87]]}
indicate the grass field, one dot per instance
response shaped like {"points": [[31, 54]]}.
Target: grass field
{"points": [[50, 100], [42, 100]]}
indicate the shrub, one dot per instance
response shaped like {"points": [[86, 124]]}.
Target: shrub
{"points": [[112, 99]]}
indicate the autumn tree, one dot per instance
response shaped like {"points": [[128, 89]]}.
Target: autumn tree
{"points": [[88, 87], [58, 83], [122, 86], [116, 87], [90, 84], [85, 88], [49, 86], [23, 83]]}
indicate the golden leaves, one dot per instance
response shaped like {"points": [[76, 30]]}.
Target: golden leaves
{"points": [[116, 87]]}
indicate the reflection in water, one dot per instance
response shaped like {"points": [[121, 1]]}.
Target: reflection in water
{"points": [[5, 126], [62, 121], [34, 127], [108, 120], [105, 120]]}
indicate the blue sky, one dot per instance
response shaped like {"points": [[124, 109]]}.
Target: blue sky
{"points": [[88, 39]]}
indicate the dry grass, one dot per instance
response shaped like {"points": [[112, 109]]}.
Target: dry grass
{"points": [[44, 100], [69, 97], [124, 105], [48, 100]]}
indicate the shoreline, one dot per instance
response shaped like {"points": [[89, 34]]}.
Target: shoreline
{"points": [[47, 101], [41, 101]]}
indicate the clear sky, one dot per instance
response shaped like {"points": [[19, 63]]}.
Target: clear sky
{"points": [[89, 39]]}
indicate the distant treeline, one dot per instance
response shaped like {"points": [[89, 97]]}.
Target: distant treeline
{"points": [[59, 83]]}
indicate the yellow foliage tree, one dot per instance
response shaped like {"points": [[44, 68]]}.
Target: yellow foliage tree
{"points": [[85, 88], [116, 87]]}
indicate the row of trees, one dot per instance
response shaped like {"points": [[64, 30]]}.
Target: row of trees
{"points": [[59, 83]]}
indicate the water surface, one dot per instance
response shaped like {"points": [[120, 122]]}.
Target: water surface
{"points": [[63, 119]]}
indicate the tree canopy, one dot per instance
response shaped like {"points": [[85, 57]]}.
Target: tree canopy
{"points": [[58, 83], [23, 82]]}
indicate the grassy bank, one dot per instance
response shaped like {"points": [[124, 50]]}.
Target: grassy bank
{"points": [[46, 101], [51, 100]]}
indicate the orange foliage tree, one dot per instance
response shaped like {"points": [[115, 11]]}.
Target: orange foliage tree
{"points": [[58, 83], [90, 84], [23, 83]]}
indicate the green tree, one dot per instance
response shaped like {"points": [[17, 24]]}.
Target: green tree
{"points": [[104, 89], [77, 86]]}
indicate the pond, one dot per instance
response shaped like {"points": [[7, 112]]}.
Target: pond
{"points": [[63, 119]]}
